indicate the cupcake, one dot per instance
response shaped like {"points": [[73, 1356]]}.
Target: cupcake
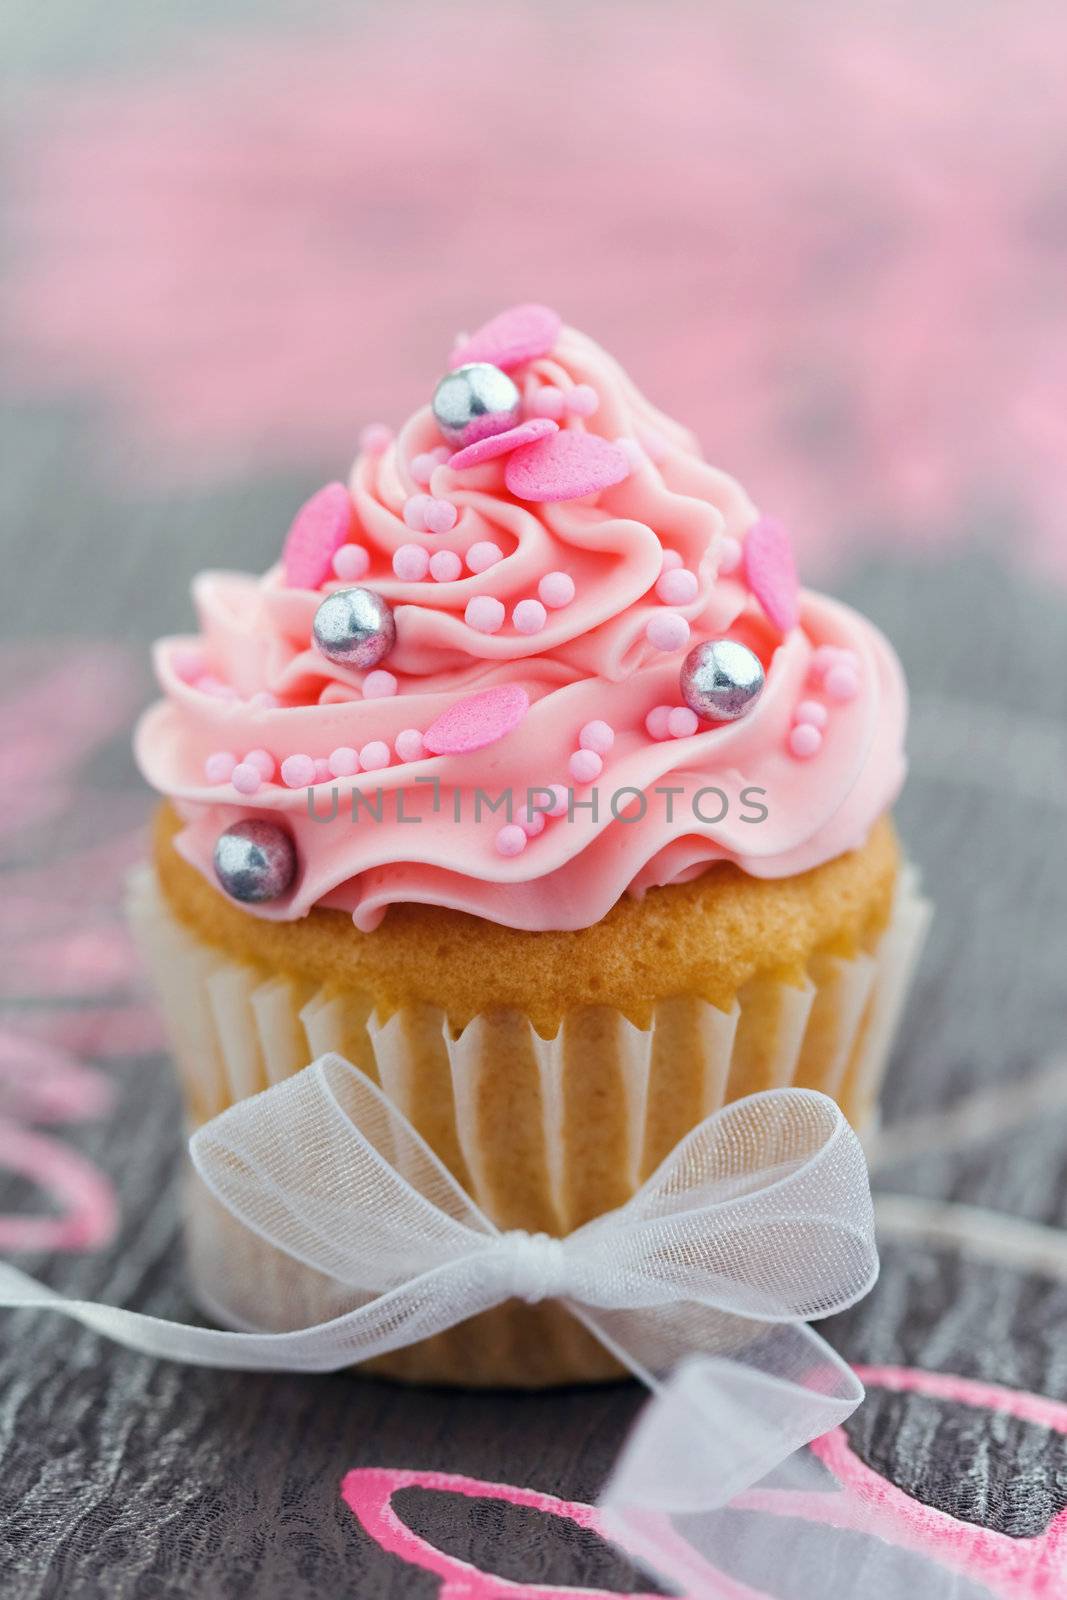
{"points": [[529, 780]]}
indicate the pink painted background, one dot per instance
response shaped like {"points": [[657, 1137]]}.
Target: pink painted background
{"points": [[833, 237]]}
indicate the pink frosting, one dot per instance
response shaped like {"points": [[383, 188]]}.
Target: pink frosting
{"points": [[590, 660]]}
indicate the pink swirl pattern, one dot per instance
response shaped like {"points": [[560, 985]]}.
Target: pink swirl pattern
{"points": [[259, 684]]}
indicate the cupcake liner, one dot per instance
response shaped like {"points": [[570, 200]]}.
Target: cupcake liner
{"points": [[543, 1133]]}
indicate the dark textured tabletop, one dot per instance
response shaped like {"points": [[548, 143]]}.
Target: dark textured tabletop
{"points": [[125, 1477]]}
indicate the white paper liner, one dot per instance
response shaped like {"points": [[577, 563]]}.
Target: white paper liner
{"points": [[507, 1110]]}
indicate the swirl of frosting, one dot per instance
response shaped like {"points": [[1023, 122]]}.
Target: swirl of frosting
{"points": [[656, 803]]}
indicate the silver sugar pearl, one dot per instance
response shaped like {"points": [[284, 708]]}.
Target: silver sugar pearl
{"points": [[354, 627], [721, 680], [255, 860], [475, 402]]}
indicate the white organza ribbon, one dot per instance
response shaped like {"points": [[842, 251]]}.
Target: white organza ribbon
{"points": [[758, 1220]]}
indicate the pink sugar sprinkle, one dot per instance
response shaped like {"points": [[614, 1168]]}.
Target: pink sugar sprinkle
{"points": [[842, 682], [682, 723], [344, 761], [263, 761], [678, 587], [561, 800], [379, 685], [218, 768], [502, 444], [582, 400], [585, 765], [531, 822], [408, 745], [511, 840], [824, 657], [478, 720], [805, 740], [556, 590], [547, 401], [668, 631], [422, 465], [246, 778], [672, 559], [729, 555], [318, 531], [529, 616], [415, 512], [441, 516], [322, 770], [812, 711], [411, 563], [351, 563], [485, 614], [483, 555], [656, 723], [298, 771], [263, 700], [598, 736], [375, 439], [445, 566], [375, 755], [188, 665]]}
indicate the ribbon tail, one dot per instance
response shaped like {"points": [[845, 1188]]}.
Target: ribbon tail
{"points": [[416, 1310]]}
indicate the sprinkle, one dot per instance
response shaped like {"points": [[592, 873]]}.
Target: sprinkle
{"points": [[585, 765], [582, 400], [408, 745], [322, 770], [351, 563], [529, 616], [565, 466], [522, 333], [812, 711], [263, 700], [842, 682], [441, 516], [246, 778], [561, 800], [263, 762], [218, 768], [423, 465], [656, 723], [547, 401], [379, 685], [318, 531], [729, 555], [824, 658], [298, 772], [678, 587], [499, 444], [483, 555], [511, 840], [668, 631], [415, 512], [672, 559], [411, 563], [556, 590], [805, 740], [598, 736], [771, 572], [375, 439], [375, 755], [445, 566], [531, 822], [477, 721], [485, 614], [682, 723], [344, 761]]}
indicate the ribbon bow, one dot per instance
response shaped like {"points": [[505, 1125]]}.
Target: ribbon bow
{"points": [[758, 1220]]}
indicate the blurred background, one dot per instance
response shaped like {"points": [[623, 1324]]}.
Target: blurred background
{"points": [[833, 239]]}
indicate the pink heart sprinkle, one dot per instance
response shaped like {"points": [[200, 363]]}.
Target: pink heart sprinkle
{"points": [[478, 721], [565, 467], [517, 335], [319, 529], [771, 572], [499, 444]]}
